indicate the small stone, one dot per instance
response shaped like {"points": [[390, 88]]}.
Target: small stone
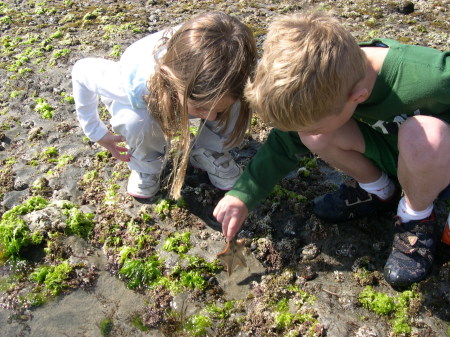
{"points": [[365, 332], [52, 139], [20, 185], [213, 281], [35, 133], [346, 250], [406, 7], [27, 124], [310, 251], [307, 274]]}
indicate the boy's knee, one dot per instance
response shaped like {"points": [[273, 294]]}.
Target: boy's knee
{"points": [[421, 138]]}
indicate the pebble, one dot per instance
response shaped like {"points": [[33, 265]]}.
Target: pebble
{"points": [[28, 124], [20, 185], [310, 251], [406, 7]]}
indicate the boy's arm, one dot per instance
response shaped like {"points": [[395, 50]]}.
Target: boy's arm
{"points": [[276, 158], [273, 161]]}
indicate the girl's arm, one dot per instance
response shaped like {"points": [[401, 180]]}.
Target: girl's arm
{"points": [[91, 78]]}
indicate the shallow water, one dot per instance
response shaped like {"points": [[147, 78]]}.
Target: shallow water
{"points": [[80, 312]]}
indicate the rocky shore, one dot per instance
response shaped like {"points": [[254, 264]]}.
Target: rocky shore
{"points": [[80, 257]]}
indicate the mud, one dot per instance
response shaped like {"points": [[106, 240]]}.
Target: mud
{"points": [[291, 255]]}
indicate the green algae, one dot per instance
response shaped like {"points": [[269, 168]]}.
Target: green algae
{"points": [[197, 325], [14, 233], [141, 273], [49, 154], [138, 324], [106, 326], [54, 278], [281, 192], [78, 222], [44, 109], [395, 307], [178, 242]]}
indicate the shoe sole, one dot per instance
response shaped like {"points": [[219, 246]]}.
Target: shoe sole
{"points": [[139, 196]]}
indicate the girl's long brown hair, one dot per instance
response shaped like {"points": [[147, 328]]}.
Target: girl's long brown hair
{"points": [[209, 57]]}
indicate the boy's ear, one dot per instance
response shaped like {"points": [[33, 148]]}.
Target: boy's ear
{"points": [[358, 94]]}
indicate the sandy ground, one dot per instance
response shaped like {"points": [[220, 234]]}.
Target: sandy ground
{"points": [[287, 247]]}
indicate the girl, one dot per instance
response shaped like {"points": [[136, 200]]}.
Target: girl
{"points": [[198, 69]]}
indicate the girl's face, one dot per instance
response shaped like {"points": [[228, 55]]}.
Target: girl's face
{"points": [[209, 110]]}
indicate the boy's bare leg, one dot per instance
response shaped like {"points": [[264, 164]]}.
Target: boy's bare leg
{"points": [[423, 171], [424, 160], [343, 149]]}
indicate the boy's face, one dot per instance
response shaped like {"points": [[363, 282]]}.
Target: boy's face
{"points": [[331, 123]]}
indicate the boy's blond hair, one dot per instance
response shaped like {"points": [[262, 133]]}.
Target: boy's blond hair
{"points": [[309, 65]]}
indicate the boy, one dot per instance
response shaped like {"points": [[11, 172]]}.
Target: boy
{"points": [[378, 111]]}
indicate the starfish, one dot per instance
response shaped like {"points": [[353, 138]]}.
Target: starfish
{"points": [[232, 255]]}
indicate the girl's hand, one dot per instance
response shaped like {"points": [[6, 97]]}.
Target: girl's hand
{"points": [[231, 213], [109, 141]]}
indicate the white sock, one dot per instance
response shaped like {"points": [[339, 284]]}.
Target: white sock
{"points": [[383, 188], [407, 214]]}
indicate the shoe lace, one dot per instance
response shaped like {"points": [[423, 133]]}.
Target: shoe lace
{"points": [[353, 193], [222, 159]]}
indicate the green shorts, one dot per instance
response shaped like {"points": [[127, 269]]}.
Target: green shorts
{"points": [[382, 150]]}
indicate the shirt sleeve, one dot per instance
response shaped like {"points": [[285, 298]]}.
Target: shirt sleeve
{"points": [[93, 78], [273, 161]]}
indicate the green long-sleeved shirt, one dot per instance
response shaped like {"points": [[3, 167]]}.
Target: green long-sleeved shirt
{"points": [[413, 80]]}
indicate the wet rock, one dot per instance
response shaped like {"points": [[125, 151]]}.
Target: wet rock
{"points": [[35, 133], [85, 162], [365, 331], [378, 246], [406, 7], [52, 139], [182, 304], [203, 235], [365, 262], [246, 234], [346, 250], [75, 260], [46, 220], [20, 185], [289, 229], [310, 251], [307, 273], [61, 195], [213, 281], [338, 276]]}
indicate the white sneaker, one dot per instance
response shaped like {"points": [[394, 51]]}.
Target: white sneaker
{"points": [[143, 185], [221, 167]]}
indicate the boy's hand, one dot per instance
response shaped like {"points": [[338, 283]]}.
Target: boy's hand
{"points": [[109, 141], [231, 213]]}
